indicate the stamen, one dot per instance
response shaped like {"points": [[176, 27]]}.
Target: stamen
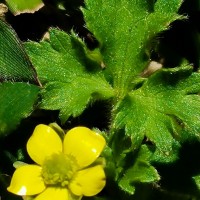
{"points": [[59, 169]]}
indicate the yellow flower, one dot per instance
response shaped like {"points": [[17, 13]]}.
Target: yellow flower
{"points": [[64, 170]]}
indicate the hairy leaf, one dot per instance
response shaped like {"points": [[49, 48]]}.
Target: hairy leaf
{"points": [[165, 110], [140, 172], [124, 28], [70, 78]]}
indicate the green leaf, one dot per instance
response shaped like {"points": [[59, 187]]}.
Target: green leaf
{"points": [[164, 7], [23, 6], [197, 180], [140, 172], [165, 110], [16, 103], [123, 29], [14, 62], [70, 78]]}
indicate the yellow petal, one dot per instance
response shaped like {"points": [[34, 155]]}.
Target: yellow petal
{"points": [[53, 193], [43, 143], [27, 180], [84, 144], [88, 182]]}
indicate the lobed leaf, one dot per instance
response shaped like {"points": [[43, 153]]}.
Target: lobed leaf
{"points": [[165, 110], [71, 80], [140, 172], [123, 29]]}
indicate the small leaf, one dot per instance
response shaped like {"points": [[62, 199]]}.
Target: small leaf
{"points": [[140, 172], [14, 62], [23, 6], [16, 103], [18, 164]]}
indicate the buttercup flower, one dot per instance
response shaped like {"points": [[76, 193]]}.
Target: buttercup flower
{"points": [[64, 170]]}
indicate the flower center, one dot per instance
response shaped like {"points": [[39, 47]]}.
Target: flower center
{"points": [[58, 169]]}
